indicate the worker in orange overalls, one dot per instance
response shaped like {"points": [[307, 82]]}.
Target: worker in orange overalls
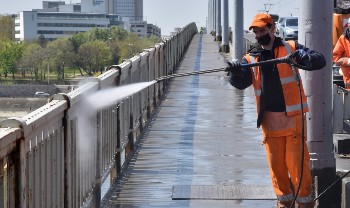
{"points": [[341, 55], [279, 107]]}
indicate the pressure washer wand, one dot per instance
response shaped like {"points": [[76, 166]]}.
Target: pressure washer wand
{"points": [[287, 59], [189, 74]]}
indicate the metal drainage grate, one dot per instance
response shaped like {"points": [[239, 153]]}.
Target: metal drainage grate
{"points": [[223, 192]]}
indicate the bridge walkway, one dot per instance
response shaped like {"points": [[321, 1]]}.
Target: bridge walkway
{"points": [[202, 148]]}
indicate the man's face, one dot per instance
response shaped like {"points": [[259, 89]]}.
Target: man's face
{"points": [[263, 35], [261, 31]]}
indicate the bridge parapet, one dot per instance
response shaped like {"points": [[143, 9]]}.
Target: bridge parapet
{"points": [[45, 158]]}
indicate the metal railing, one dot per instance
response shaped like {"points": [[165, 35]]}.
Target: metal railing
{"points": [[247, 44], [46, 162], [341, 108]]}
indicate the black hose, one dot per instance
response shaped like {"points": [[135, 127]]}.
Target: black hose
{"points": [[302, 139], [302, 151], [331, 185]]}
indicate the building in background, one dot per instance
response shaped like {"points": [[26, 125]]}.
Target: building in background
{"points": [[153, 30], [31, 25], [59, 6], [70, 8], [138, 27], [143, 29], [132, 9], [57, 19], [96, 6], [52, 4]]}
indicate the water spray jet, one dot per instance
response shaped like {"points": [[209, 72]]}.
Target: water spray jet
{"points": [[103, 98]]}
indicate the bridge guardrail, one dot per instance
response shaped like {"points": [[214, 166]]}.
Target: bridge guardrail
{"points": [[46, 162]]}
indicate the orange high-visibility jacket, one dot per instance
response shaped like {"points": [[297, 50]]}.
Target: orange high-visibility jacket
{"points": [[342, 50], [287, 77]]}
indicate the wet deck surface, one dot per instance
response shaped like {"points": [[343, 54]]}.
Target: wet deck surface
{"points": [[202, 149]]}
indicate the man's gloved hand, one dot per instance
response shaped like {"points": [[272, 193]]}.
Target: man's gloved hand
{"points": [[345, 61], [302, 57], [233, 68]]}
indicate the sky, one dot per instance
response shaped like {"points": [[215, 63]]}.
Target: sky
{"points": [[169, 14]]}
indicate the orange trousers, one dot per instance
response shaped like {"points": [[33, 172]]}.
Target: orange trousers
{"points": [[283, 150]]}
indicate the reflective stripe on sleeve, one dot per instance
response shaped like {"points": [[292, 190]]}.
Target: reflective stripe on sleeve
{"points": [[252, 60]]}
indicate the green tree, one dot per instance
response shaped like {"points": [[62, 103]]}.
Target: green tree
{"points": [[133, 45], [112, 36], [98, 34], [120, 44], [118, 34], [32, 58], [6, 28], [114, 33], [94, 56], [76, 41], [59, 54], [10, 54], [115, 51], [42, 41]]}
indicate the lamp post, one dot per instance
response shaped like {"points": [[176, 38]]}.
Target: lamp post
{"points": [[130, 49], [48, 73], [62, 70], [109, 43]]}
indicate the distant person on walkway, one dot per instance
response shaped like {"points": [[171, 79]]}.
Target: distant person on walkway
{"points": [[341, 55], [279, 108]]}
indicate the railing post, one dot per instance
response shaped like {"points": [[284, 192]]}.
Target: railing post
{"points": [[98, 180], [5, 182], [338, 110], [346, 107]]}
